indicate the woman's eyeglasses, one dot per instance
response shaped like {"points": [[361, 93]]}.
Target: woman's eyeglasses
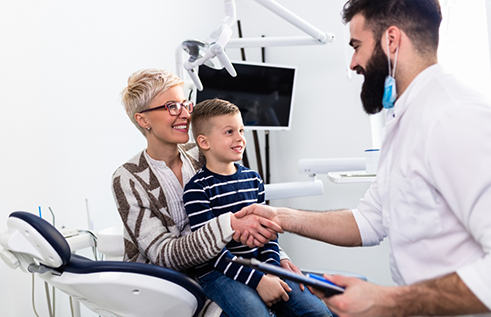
{"points": [[174, 108]]}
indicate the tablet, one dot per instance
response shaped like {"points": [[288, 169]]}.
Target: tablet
{"points": [[316, 281]]}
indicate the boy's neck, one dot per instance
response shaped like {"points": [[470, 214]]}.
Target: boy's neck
{"points": [[221, 168]]}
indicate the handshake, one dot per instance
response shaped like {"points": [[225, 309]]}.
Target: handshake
{"points": [[255, 225]]}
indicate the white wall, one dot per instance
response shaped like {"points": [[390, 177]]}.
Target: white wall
{"points": [[328, 121], [63, 130]]}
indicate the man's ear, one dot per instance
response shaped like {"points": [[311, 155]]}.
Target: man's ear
{"points": [[202, 141], [141, 120], [394, 37]]}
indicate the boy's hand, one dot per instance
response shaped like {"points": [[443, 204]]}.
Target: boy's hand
{"points": [[287, 264], [271, 290], [257, 230]]}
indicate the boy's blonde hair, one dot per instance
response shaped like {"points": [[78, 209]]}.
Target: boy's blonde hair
{"points": [[143, 86], [205, 110]]}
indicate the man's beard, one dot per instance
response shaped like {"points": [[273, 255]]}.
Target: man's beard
{"points": [[372, 91]]}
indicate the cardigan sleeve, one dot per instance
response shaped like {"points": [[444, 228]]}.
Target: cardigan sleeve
{"points": [[150, 233]]}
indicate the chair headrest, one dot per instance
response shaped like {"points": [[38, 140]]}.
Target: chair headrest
{"points": [[48, 233]]}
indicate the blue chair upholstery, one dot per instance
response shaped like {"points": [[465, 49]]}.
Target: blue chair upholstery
{"points": [[75, 266]]}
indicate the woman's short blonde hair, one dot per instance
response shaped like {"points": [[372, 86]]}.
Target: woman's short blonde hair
{"points": [[143, 86]]}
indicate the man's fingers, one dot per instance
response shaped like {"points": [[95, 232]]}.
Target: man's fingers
{"points": [[244, 211], [270, 224], [265, 234]]}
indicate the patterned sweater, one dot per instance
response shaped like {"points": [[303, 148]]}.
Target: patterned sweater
{"points": [[209, 195], [150, 234]]}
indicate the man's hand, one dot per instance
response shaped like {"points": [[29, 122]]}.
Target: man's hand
{"points": [[256, 230], [271, 290], [442, 296], [359, 299], [264, 211], [287, 264]]}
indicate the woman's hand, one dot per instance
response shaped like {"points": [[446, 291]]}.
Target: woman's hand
{"points": [[271, 290], [254, 231]]}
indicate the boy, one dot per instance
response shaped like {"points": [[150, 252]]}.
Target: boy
{"points": [[221, 186]]}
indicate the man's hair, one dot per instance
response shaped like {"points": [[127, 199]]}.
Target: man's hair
{"points": [[143, 87], [205, 110], [419, 19]]}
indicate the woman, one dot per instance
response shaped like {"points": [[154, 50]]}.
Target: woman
{"points": [[148, 188]]}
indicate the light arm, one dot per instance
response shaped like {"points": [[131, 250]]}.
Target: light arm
{"points": [[220, 38]]}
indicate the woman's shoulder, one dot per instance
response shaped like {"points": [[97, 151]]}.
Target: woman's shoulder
{"points": [[134, 165], [192, 151]]}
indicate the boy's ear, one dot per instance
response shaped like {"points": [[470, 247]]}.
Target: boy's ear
{"points": [[202, 141]]}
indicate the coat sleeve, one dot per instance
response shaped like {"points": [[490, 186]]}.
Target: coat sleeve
{"points": [[459, 157]]}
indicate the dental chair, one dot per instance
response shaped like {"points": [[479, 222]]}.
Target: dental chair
{"points": [[109, 288]]}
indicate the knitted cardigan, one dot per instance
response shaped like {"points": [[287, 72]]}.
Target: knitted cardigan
{"points": [[150, 234]]}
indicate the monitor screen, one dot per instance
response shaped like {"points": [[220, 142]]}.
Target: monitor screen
{"points": [[263, 93]]}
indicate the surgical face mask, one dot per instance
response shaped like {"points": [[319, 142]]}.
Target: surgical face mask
{"points": [[390, 91]]}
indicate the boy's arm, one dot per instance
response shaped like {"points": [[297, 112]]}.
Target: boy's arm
{"points": [[198, 208], [270, 253]]}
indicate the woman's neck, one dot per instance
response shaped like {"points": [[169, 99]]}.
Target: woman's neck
{"points": [[170, 155], [161, 151]]}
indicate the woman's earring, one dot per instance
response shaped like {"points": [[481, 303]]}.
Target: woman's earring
{"points": [[148, 128]]}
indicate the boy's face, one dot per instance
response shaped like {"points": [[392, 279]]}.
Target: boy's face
{"points": [[226, 140]]}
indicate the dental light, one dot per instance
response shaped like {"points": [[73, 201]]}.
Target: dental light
{"points": [[210, 52]]}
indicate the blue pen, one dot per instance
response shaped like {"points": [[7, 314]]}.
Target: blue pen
{"points": [[40, 215]]}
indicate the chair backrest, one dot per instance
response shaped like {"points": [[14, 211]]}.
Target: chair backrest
{"points": [[34, 236], [110, 288]]}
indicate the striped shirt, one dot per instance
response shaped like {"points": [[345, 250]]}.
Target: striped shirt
{"points": [[207, 196]]}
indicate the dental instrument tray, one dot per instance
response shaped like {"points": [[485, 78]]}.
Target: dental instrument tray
{"points": [[316, 281]]}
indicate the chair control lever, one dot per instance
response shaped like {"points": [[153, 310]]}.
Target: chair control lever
{"points": [[41, 269]]}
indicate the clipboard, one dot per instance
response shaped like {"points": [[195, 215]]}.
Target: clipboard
{"points": [[316, 281]]}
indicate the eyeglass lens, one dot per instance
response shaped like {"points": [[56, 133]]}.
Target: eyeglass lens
{"points": [[175, 108]]}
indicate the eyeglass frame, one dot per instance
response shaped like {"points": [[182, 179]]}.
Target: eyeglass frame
{"points": [[182, 105]]}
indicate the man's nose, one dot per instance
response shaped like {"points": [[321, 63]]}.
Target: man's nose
{"points": [[353, 63]]}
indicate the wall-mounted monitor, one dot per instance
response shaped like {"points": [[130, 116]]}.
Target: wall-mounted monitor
{"points": [[263, 92]]}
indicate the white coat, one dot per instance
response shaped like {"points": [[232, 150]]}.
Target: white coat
{"points": [[432, 194]]}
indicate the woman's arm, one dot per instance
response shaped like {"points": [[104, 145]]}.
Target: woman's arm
{"points": [[151, 234]]}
